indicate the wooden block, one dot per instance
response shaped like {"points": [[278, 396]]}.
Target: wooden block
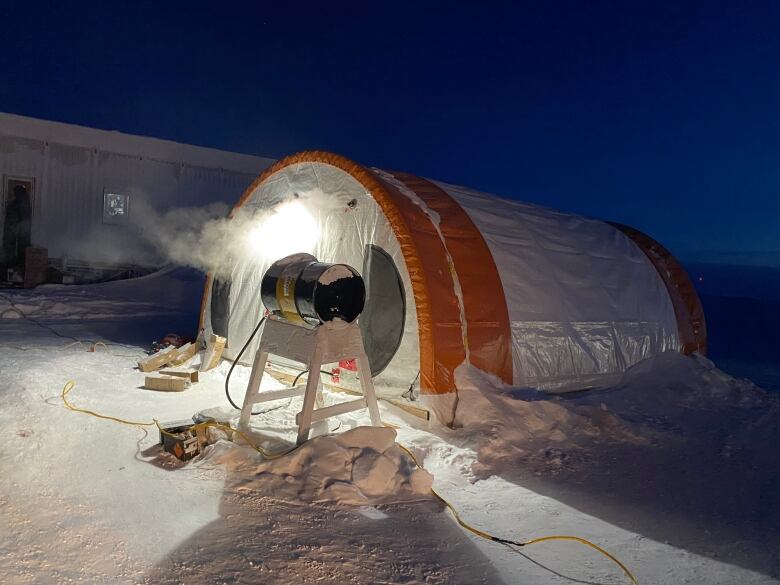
{"points": [[422, 413], [35, 265], [186, 353], [158, 360], [166, 383], [214, 349], [191, 375]]}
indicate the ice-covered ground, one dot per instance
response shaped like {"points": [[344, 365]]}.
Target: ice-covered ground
{"points": [[674, 470]]}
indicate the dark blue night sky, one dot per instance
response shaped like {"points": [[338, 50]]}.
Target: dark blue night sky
{"points": [[663, 115]]}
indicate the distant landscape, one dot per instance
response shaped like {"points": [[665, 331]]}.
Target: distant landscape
{"points": [[742, 309]]}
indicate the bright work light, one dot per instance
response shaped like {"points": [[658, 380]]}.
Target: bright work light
{"points": [[290, 228]]}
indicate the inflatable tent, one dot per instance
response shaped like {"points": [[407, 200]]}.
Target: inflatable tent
{"points": [[532, 296]]}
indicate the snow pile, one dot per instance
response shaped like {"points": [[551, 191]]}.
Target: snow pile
{"points": [[658, 399], [688, 399], [510, 425], [362, 466], [672, 379]]}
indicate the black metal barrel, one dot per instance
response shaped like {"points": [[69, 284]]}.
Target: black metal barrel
{"points": [[303, 291]]}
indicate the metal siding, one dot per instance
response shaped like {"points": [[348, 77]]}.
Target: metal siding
{"points": [[198, 185], [67, 211], [70, 182]]}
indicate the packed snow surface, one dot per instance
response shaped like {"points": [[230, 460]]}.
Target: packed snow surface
{"points": [[362, 466], [674, 470]]}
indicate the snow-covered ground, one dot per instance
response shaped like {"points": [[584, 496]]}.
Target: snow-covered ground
{"points": [[674, 470]]}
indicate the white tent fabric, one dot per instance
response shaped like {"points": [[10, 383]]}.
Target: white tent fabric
{"points": [[584, 301], [344, 233]]}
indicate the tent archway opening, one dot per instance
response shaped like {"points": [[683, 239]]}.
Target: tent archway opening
{"points": [[383, 318]]}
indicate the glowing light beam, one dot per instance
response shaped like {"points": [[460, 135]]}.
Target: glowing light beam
{"points": [[291, 228]]}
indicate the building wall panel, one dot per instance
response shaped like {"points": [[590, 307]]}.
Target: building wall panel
{"points": [[74, 166]]}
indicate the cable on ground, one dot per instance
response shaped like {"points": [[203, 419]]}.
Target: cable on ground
{"points": [[270, 455], [154, 422], [521, 544], [298, 377], [90, 347], [235, 361], [76, 340]]}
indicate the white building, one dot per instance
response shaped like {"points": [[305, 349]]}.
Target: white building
{"points": [[83, 182]]}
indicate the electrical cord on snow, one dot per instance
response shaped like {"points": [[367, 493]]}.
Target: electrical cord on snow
{"points": [[154, 422], [76, 341], [410, 391], [235, 361], [482, 534], [517, 543], [269, 455]]}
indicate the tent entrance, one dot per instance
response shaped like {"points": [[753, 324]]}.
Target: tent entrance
{"points": [[383, 318]]}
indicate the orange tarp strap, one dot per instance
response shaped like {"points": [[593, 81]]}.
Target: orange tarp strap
{"points": [[688, 311], [489, 339]]}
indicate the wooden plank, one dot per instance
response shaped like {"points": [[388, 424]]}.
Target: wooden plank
{"points": [[253, 388], [367, 386], [191, 375], [166, 383], [335, 410], [422, 413], [214, 349], [304, 418], [299, 390], [35, 266], [419, 412], [158, 360], [186, 353]]}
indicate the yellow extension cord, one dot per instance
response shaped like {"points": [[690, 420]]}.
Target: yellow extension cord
{"points": [[269, 455], [154, 423], [91, 347], [488, 536]]}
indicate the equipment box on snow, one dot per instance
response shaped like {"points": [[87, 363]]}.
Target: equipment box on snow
{"points": [[181, 440]]}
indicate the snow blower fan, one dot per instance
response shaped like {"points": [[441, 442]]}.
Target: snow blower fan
{"points": [[302, 291], [313, 309]]}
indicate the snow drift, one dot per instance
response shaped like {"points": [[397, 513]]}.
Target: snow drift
{"points": [[513, 425], [362, 466]]}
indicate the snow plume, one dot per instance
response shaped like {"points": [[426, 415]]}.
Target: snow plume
{"points": [[207, 239], [199, 237]]}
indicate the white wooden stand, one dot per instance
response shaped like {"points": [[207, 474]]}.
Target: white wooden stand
{"points": [[313, 347]]}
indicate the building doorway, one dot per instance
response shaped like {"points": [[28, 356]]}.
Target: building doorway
{"points": [[16, 225]]}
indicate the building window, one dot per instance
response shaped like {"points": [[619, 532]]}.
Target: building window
{"points": [[116, 207]]}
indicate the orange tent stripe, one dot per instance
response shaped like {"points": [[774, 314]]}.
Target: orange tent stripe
{"points": [[688, 311], [489, 338]]}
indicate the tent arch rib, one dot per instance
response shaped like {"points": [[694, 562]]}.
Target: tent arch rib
{"points": [[688, 310]]}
